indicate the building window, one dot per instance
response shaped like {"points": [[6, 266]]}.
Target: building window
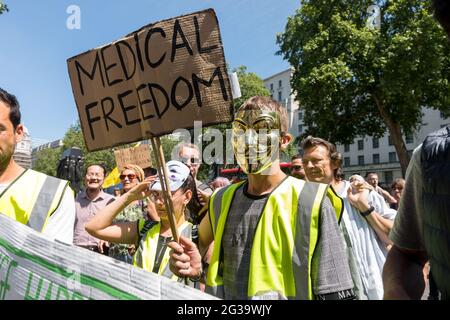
{"points": [[346, 147], [392, 157], [409, 138], [271, 87], [279, 96], [360, 144], [360, 160], [388, 177], [279, 83], [300, 116], [346, 161], [375, 143], [390, 141], [300, 128], [376, 158], [443, 115]]}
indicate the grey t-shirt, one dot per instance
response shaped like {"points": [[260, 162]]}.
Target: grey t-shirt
{"points": [[330, 267], [407, 231]]}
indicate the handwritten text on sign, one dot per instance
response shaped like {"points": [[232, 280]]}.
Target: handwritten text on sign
{"points": [[155, 80]]}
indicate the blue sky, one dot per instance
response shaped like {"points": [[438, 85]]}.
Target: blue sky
{"points": [[36, 44]]}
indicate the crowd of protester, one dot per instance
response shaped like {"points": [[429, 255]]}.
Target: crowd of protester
{"points": [[309, 234]]}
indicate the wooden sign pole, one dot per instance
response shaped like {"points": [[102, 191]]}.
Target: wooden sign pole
{"points": [[165, 185]]}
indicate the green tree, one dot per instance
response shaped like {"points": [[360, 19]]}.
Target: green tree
{"points": [[3, 7], [168, 144], [251, 85], [74, 138], [47, 161], [353, 80]]}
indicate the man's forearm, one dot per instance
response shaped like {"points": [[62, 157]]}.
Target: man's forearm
{"points": [[403, 275], [380, 226], [387, 196]]}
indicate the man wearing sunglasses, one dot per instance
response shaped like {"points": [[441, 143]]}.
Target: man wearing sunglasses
{"points": [[189, 154], [87, 204], [297, 170]]}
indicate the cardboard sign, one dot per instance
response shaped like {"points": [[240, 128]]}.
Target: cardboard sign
{"points": [[139, 155], [159, 78], [32, 267]]}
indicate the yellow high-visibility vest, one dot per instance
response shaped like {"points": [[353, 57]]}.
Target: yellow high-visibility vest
{"points": [[146, 252], [284, 240], [32, 198]]}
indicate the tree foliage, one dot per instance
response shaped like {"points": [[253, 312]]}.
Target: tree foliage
{"points": [[47, 161], [74, 138], [353, 80], [251, 85], [3, 7]]}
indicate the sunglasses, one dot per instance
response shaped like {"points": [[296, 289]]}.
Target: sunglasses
{"points": [[155, 195], [192, 160], [296, 168], [129, 176]]}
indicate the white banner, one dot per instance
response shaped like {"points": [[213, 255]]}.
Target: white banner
{"points": [[33, 267]]}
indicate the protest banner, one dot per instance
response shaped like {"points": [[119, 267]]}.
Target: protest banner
{"points": [[32, 267], [139, 155], [157, 79]]}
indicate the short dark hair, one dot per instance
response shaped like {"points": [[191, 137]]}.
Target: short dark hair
{"points": [[442, 13], [335, 156], [267, 103], [297, 156], [14, 109], [369, 173]]}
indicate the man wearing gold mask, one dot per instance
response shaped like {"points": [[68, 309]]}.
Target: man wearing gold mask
{"points": [[275, 237]]}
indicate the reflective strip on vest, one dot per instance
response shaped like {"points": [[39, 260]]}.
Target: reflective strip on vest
{"points": [[146, 253], [32, 198], [43, 203], [220, 203], [305, 242], [279, 264]]}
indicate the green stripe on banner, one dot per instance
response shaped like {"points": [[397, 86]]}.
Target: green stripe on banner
{"points": [[84, 279]]}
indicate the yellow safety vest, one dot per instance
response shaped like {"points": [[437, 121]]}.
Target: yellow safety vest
{"points": [[284, 240], [337, 202], [32, 198], [146, 252]]}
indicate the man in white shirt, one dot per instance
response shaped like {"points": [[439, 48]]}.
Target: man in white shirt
{"points": [[365, 222]]}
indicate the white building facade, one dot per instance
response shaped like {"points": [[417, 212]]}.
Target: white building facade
{"points": [[279, 86], [365, 154], [22, 153]]}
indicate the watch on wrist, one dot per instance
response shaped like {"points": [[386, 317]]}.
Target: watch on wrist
{"points": [[198, 278], [367, 212]]}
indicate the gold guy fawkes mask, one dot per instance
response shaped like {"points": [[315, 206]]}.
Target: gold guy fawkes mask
{"points": [[255, 139]]}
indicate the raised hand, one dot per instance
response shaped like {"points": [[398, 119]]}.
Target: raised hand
{"points": [[142, 189], [358, 195]]}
